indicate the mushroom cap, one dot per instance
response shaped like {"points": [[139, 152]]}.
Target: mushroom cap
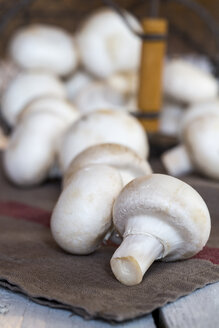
{"points": [[83, 213], [199, 110], [32, 148], [124, 159], [103, 126], [106, 44], [201, 138], [170, 118], [44, 47], [98, 95], [76, 83], [25, 88], [185, 82], [54, 105], [166, 208], [126, 83], [201, 61]]}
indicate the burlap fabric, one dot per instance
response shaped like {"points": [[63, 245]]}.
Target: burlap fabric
{"points": [[31, 262]]}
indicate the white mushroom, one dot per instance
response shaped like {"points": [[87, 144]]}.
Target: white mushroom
{"points": [[83, 213], [201, 61], [25, 88], [198, 110], [106, 44], [170, 118], [125, 83], [132, 105], [159, 217], [104, 126], [44, 47], [184, 82], [32, 148], [122, 158], [98, 95], [76, 83], [200, 147], [54, 105]]}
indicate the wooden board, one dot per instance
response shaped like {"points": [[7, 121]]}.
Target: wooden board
{"points": [[17, 311], [197, 310]]}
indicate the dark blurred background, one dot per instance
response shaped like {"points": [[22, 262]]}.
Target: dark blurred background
{"points": [[187, 31]]}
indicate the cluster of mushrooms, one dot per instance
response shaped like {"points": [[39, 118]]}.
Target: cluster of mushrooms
{"points": [[68, 108]]}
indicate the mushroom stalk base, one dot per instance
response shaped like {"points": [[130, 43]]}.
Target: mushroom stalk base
{"points": [[134, 256], [177, 161]]}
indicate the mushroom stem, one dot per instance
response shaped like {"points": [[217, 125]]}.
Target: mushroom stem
{"points": [[159, 217], [177, 161], [134, 256]]}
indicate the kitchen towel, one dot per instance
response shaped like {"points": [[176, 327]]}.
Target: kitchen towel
{"points": [[32, 263]]}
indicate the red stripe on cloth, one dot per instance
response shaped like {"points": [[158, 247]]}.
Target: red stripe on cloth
{"points": [[26, 212], [209, 254], [38, 215]]}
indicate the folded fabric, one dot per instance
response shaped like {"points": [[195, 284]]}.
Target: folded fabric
{"points": [[32, 263]]}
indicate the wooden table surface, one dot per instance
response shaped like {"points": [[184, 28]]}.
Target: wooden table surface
{"points": [[197, 310]]}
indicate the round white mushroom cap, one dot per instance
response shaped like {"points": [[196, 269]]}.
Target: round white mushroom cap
{"points": [[122, 158], [83, 213], [125, 83], [32, 147], [104, 126], [201, 139], [184, 82], [159, 217], [76, 83], [25, 88], [203, 62], [99, 95], [54, 105], [199, 110], [170, 118], [199, 150], [44, 47], [106, 44], [30, 155]]}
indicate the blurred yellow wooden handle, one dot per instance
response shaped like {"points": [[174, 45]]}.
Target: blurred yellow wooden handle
{"points": [[150, 83]]}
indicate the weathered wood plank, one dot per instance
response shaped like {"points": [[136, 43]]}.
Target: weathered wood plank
{"points": [[17, 311], [197, 310]]}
